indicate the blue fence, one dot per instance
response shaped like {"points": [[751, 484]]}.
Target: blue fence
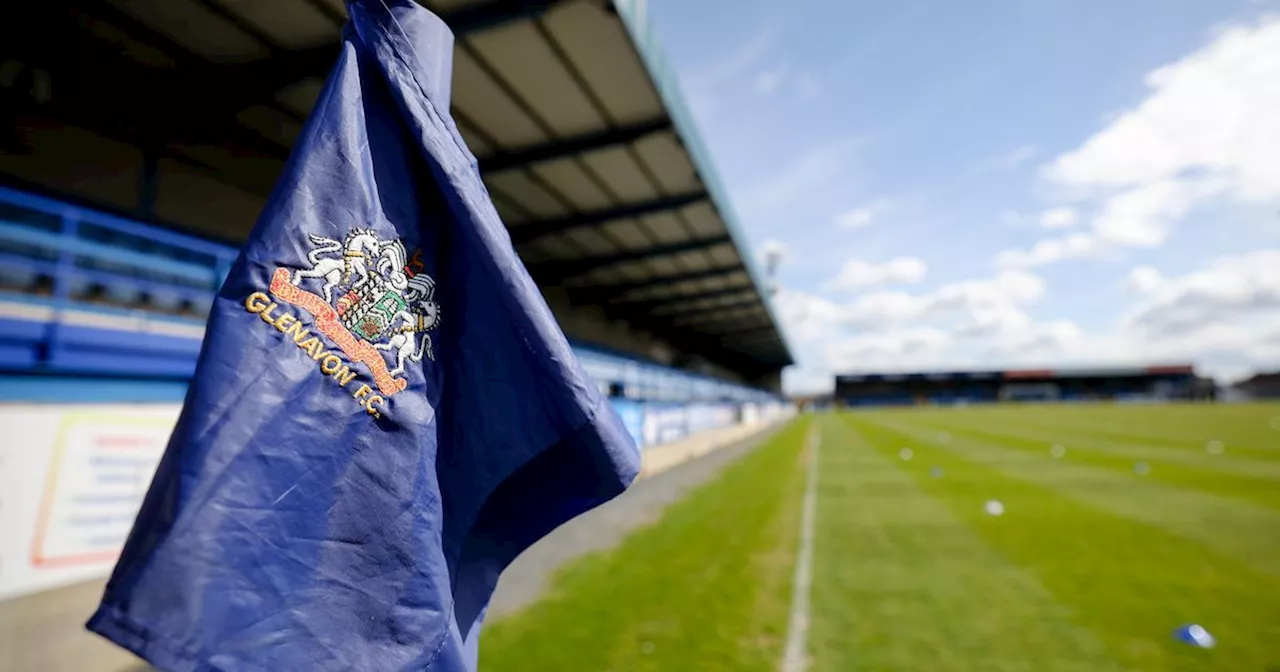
{"points": [[95, 307]]}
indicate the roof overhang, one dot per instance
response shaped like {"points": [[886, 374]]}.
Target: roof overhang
{"points": [[583, 137]]}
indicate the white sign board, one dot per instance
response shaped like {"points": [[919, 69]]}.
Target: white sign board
{"points": [[71, 481]]}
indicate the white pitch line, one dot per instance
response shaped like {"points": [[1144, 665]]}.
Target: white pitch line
{"points": [[795, 658]]}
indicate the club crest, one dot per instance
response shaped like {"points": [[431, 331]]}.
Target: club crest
{"points": [[380, 295], [369, 297]]}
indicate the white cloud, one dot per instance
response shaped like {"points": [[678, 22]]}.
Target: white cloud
{"points": [[1139, 217], [1234, 290], [801, 380], [1212, 113], [1208, 128], [863, 215], [857, 274], [958, 324], [806, 317], [1142, 216], [1058, 218], [973, 306], [1224, 317], [1144, 279], [1047, 251]]}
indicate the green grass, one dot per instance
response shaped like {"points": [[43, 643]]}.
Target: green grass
{"points": [[1091, 567], [706, 588]]}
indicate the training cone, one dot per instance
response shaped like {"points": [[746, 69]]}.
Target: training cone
{"points": [[1194, 635]]}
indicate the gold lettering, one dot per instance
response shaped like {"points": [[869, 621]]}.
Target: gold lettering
{"points": [[266, 314], [343, 375], [318, 352], [330, 363], [299, 334], [284, 321], [362, 390], [375, 400], [256, 302]]}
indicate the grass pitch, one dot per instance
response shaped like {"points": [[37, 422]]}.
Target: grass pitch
{"points": [[1148, 518]]}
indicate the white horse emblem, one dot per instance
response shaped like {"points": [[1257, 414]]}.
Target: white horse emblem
{"points": [[380, 294]]}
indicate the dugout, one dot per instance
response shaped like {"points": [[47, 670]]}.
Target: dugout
{"points": [[964, 387], [137, 148]]}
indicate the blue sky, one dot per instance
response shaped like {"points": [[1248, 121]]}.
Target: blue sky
{"points": [[986, 184]]}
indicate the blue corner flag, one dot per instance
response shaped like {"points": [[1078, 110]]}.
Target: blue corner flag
{"points": [[384, 413]]}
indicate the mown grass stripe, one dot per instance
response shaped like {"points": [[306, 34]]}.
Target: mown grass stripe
{"points": [[706, 587], [1235, 458], [1246, 429], [1131, 583], [1242, 530], [1164, 466], [902, 584]]}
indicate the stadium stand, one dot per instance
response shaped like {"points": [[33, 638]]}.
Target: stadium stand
{"points": [[182, 112], [94, 308], [137, 149], [1259, 386], [170, 117], [969, 387]]}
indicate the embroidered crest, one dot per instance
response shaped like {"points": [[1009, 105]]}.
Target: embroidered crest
{"points": [[372, 302], [382, 297]]}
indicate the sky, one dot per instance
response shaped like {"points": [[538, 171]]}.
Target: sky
{"points": [[995, 183]]}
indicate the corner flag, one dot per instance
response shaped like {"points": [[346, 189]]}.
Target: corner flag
{"points": [[384, 413]]}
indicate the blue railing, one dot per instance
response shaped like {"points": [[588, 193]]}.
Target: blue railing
{"points": [[85, 293]]}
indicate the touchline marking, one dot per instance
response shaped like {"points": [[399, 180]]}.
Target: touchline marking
{"points": [[795, 657]]}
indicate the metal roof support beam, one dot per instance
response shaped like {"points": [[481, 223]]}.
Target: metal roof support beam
{"points": [[571, 146], [244, 85], [494, 13], [559, 271], [532, 230], [683, 310], [754, 335], [713, 349], [99, 88], [641, 312], [713, 320], [605, 293], [648, 303]]}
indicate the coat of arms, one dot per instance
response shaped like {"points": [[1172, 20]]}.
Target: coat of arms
{"points": [[380, 295]]}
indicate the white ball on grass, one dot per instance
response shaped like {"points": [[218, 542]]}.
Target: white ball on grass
{"points": [[993, 508], [906, 454], [1058, 450], [1215, 447]]}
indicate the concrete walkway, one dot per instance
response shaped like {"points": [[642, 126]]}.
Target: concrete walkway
{"points": [[45, 631]]}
